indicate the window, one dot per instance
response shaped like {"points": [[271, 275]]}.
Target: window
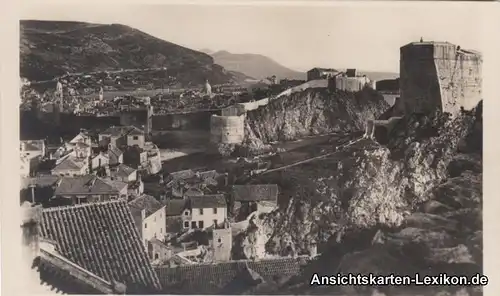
{"points": [[186, 213], [186, 224], [219, 240], [193, 224], [145, 225], [215, 210], [215, 222], [156, 256], [200, 224], [201, 211], [135, 137]]}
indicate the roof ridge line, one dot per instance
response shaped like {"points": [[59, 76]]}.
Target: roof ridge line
{"points": [[53, 209]]}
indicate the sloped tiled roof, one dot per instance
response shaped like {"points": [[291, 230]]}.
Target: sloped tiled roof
{"points": [[213, 278], [207, 201], [45, 180], [69, 163], [123, 170], [116, 131], [87, 184], [134, 131], [100, 237], [175, 207], [114, 153], [180, 175], [118, 185], [209, 174], [145, 202], [260, 192]]}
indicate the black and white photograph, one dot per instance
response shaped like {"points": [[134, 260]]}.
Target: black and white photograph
{"points": [[248, 149]]}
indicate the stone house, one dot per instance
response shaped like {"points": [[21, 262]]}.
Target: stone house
{"points": [[150, 219], [33, 149], [123, 173], [174, 221], [204, 211], [71, 166], [122, 135], [246, 199], [320, 73], [88, 189], [135, 157], [158, 251]]}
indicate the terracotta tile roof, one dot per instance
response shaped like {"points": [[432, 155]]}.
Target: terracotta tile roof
{"points": [[123, 170], [144, 202], [118, 185], [134, 131], [101, 238], [44, 180], [214, 278], [207, 201], [175, 207], [262, 192], [114, 154], [67, 277], [181, 175], [87, 184], [69, 163], [116, 131], [209, 174]]}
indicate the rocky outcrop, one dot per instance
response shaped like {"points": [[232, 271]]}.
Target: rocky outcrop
{"points": [[415, 201], [312, 112]]}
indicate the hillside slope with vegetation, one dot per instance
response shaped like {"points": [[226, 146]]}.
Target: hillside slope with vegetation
{"points": [[50, 49]]}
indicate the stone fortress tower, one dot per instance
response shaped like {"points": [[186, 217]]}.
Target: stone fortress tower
{"points": [[439, 75]]}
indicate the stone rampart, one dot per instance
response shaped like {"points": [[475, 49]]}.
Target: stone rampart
{"points": [[439, 75]]}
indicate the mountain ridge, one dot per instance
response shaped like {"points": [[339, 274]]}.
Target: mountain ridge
{"points": [[260, 66], [49, 49], [254, 65]]}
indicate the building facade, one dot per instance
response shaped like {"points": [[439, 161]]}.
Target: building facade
{"points": [[204, 211], [320, 73]]}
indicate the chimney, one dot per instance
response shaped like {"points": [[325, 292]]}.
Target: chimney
{"points": [[32, 186]]}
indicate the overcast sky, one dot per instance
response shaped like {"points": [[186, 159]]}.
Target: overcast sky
{"points": [[365, 36]]}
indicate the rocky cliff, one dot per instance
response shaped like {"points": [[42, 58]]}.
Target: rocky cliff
{"points": [[312, 112], [411, 205]]}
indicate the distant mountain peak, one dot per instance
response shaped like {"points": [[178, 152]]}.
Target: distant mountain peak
{"points": [[254, 65]]}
